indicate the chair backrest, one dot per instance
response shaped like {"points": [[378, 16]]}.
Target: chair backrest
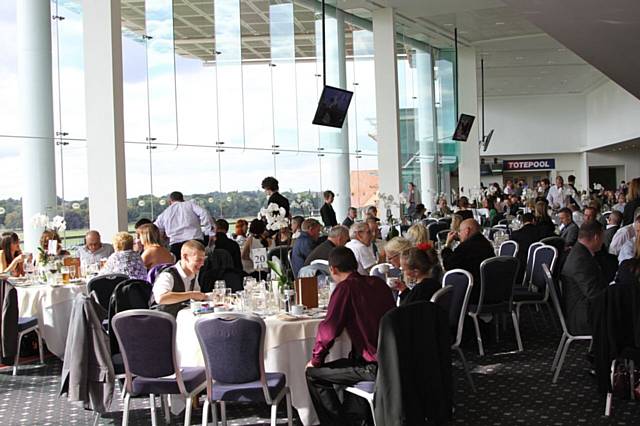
{"points": [[102, 287], [377, 270], [557, 242], [497, 278], [155, 271], [542, 255], [320, 262], [434, 228], [147, 342], [461, 283], [233, 348], [555, 298], [527, 272], [313, 270], [8, 320], [128, 295], [442, 297], [508, 248], [442, 235]]}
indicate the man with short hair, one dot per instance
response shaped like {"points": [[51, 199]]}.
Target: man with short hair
{"points": [[223, 242], [93, 249], [179, 283], [356, 305], [568, 229], [474, 248], [559, 194], [304, 244], [525, 236], [361, 239], [613, 224], [352, 214], [326, 211], [183, 221], [582, 278], [628, 250], [271, 188], [463, 208], [338, 237], [590, 214]]}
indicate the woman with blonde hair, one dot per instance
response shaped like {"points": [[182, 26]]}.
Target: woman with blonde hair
{"points": [[456, 220], [418, 266], [154, 252], [124, 260], [417, 234], [394, 249], [633, 201]]}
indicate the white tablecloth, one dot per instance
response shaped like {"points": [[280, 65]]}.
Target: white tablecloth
{"points": [[288, 346], [52, 306]]}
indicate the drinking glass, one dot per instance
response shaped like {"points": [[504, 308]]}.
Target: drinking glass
{"points": [[248, 283], [65, 275]]}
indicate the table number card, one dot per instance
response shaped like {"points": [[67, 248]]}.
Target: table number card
{"points": [[259, 258]]}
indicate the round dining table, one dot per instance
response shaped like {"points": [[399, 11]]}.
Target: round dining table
{"points": [[52, 306], [287, 347]]}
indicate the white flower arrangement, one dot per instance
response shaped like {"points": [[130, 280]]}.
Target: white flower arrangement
{"points": [[57, 224], [387, 200], [275, 216]]}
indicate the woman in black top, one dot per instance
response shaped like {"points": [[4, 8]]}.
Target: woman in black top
{"points": [[633, 202], [544, 224], [418, 266]]}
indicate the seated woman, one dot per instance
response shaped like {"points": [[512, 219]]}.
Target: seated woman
{"points": [[124, 260], [629, 269], [257, 239], [417, 234], [154, 252], [50, 235], [283, 237], [418, 265], [393, 249], [11, 258]]}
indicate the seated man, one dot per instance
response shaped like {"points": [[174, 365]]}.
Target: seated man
{"points": [[628, 249], [582, 278], [304, 244], [613, 224], [223, 242], [352, 214], [361, 246], [357, 305], [179, 283], [525, 236], [338, 237], [93, 249], [473, 249], [568, 229]]}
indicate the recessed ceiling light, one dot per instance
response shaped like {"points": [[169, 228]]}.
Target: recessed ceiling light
{"points": [[519, 58], [448, 24], [550, 62], [562, 49], [463, 32], [544, 72], [499, 23]]}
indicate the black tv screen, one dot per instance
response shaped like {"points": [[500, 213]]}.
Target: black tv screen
{"points": [[463, 128], [332, 107]]}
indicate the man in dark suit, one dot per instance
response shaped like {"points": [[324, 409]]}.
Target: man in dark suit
{"points": [[568, 229], [613, 224], [326, 211], [351, 217], [223, 242], [525, 236], [338, 237], [582, 278], [473, 249], [271, 188]]}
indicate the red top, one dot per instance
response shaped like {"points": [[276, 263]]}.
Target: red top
{"points": [[357, 304]]}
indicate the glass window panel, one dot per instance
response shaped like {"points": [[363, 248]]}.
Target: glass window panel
{"points": [[138, 171], [9, 113], [134, 89], [299, 175], [446, 108], [362, 112], [258, 105], [11, 188]]}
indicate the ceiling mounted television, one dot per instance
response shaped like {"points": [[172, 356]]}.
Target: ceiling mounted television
{"points": [[487, 139], [463, 128], [332, 107]]}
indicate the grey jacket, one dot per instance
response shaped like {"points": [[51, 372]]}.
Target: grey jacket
{"points": [[8, 322], [570, 234], [87, 372]]}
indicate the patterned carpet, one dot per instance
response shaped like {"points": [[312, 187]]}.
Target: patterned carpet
{"points": [[512, 389]]}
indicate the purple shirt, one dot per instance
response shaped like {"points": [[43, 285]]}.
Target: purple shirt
{"points": [[125, 262], [357, 305]]}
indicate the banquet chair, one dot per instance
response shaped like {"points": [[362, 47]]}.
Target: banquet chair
{"points": [[147, 341], [461, 283], [497, 277], [538, 292], [508, 248], [442, 235], [313, 270], [320, 262], [526, 279], [567, 338], [102, 286], [233, 349], [436, 227]]}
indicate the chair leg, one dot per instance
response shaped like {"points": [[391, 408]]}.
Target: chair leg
{"points": [[40, 348], [466, 369], [16, 360], [517, 330], [187, 411], [223, 413], [125, 410], [274, 414], [558, 351], [96, 419], [167, 411], [632, 380], [205, 412], [496, 317], [373, 410], [152, 406], [478, 337], [214, 414], [607, 406], [289, 409], [561, 361]]}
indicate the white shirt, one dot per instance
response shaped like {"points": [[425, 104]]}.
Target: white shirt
{"points": [[88, 258], [557, 196], [164, 282], [364, 255], [183, 221], [628, 250], [623, 235]]}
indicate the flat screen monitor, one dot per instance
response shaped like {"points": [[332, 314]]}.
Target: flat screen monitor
{"points": [[487, 139], [463, 128], [332, 107]]}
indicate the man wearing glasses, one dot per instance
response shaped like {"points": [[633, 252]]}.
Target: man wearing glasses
{"points": [[360, 244]]}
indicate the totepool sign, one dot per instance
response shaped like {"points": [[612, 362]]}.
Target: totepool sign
{"points": [[529, 164]]}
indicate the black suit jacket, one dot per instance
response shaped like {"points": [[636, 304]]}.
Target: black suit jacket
{"points": [[465, 214], [347, 222], [225, 243], [468, 256], [608, 236], [582, 281], [629, 210], [423, 291], [570, 234], [525, 236], [328, 215]]}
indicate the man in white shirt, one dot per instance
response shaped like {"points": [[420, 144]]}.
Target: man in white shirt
{"points": [[93, 249], [628, 249], [559, 193], [360, 244], [621, 237], [183, 221], [179, 283]]}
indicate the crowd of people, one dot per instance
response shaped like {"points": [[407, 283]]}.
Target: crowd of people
{"points": [[597, 234]]}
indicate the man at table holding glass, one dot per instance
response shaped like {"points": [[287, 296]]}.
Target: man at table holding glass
{"points": [[357, 305], [179, 283], [94, 249]]}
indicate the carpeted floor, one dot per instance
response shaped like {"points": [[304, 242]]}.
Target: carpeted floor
{"points": [[512, 388]]}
